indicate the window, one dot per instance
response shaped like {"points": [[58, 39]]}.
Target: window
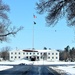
{"points": [[56, 57], [37, 53], [27, 53], [52, 57], [11, 56], [19, 57], [52, 53], [23, 53], [37, 57], [30, 57], [48, 53], [41, 53], [11, 52], [41, 57], [33, 53], [48, 57], [19, 53], [15, 53], [56, 53], [15, 57], [27, 57]]}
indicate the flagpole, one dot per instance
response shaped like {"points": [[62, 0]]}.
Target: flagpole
{"points": [[33, 42], [33, 39], [33, 33]]}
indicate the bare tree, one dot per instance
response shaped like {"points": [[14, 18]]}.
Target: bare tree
{"points": [[56, 9], [5, 28], [5, 53]]}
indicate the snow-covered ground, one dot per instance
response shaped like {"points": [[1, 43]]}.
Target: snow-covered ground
{"points": [[16, 62], [5, 67], [70, 70], [37, 62], [3, 64], [53, 63]]}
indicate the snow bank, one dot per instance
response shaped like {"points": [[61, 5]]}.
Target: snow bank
{"points": [[69, 70], [16, 62], [5, 67], [37, 62], [53, 63]]}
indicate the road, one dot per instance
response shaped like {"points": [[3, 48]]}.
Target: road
{"points": [[16, 70], [41, 70], [29, 70]]}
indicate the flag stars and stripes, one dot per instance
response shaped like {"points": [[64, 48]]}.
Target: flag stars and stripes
{"points": [[34, 16]]}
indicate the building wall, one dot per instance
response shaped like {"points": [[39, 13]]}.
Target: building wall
{"points": [[49, 55], [53, 56]]}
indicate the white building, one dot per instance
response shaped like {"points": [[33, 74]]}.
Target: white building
{"points": [[49, 55]]}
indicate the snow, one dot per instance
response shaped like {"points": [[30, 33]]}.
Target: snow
{"points": [[16, 62], [5, 67], [52, 63], [3, 63], [68, 69]]}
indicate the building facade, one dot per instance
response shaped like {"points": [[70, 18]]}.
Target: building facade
{"points": [[49, 55]]}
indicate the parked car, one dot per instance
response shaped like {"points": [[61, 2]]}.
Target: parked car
{"points": [[22, 64]]}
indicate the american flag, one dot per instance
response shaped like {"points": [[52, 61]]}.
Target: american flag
{"points": [[34, 16]]}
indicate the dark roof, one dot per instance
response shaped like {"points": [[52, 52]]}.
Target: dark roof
{"points": [[30, 51]]}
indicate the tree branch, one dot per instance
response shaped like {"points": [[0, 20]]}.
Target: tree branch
{"points": [[12, 32]]}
